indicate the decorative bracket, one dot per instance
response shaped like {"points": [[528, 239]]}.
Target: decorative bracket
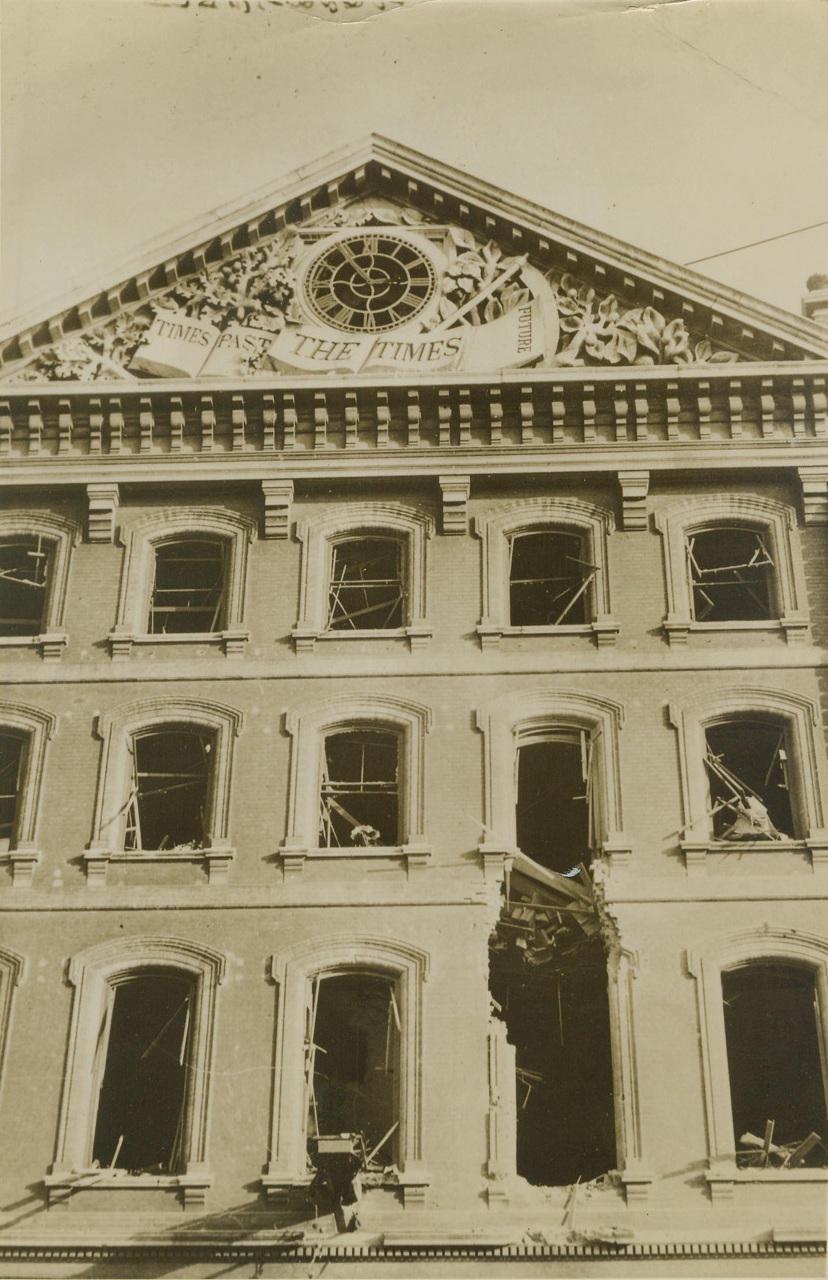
{"points": [[103, 501], [635, 486], [455, 497], [278, 497], [814, 481]]}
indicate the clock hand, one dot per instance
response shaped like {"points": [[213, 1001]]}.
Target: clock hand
{"points": [[349, 257]]}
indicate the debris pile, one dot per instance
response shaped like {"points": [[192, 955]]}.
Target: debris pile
{"points": [[764, 1153]]}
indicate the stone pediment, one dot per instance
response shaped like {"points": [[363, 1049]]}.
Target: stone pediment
{"points": [[387, 263]]}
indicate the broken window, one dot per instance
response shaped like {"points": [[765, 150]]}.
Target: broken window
{"points": [[549, 578], [554, 799], [188, 591], [169, 798], [12, 764], [731, 575], [548, 983], [140, 1074], [367, 585], [776, 1063], [360, 789], [747, 767], [25, 566]]}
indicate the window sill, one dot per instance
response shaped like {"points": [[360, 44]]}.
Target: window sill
{"points": [[232, 642], [293, 858], [794, 627], [22, 859], [604, 629], [696, 852], [724, 1178], [191, 1187], [417, 635], [217, 861], [411, 1186], [51, 644]]}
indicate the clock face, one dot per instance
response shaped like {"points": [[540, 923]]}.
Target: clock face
{"points": [[369, 283]]}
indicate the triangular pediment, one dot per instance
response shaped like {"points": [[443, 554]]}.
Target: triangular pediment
{"points": [[384, 261]]}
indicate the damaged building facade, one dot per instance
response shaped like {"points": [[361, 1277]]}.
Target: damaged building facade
{"points": [[413, 815]]}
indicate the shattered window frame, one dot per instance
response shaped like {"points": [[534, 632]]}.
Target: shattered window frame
{"points": [[14, 768], [582, 741], [754, 580], [383, 599], [338, 797], [138, 817], [743, 810], [34, 583], [202, 600], [566, 597]]}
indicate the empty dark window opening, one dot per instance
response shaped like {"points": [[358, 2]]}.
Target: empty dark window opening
{"points": [[548, 983], [168, 803], [747, 766], [731, 575], [12, 764], [555, 800], [142, 1063], [25, 568], [367, 585], [189, 587], [549, 579], [360, 789], [775, 1058]]}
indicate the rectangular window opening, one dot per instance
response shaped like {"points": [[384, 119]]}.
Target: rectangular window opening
{"points": [[549, 579], [189, 587], [730, 575], [367, 585], [360, 789], [169, 797], [555, 800], [747, 767], [548, 983], [774, 1035], [141, 1068], [25, 567], [12, 764]]}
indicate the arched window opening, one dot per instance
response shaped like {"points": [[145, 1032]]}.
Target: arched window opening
{"points": [[368, 585], [168, 805], [776, 1064], [554, 815], [25, 573], [141, 1068], [360, 790], [189, 587], [747, 761], [731, 575], [13, 755], [549, 579]]}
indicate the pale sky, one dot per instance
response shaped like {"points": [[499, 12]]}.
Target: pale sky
{"points": [[686, 127]]}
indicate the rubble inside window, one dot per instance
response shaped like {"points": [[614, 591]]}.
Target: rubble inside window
{"points": [[747, 767], [548, 984], [549, 579], [730, 575], [140, 1070], [25, 565], [776, 1062], [189, 587], [12, 764], [167, 806], [555, 799], [367, 585], [359, 791], [352, 1051]]}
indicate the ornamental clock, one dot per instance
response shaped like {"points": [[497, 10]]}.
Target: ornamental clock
{"points": [[369, 282]]}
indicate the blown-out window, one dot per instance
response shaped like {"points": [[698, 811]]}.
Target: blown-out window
{"points": [[359, 793], [776, 1065], [367, 589], [169, 802], [12, 767], [554, 799], [747, 761], [731, 575], [549, 578], [25, 571], [141, 1068], [189, 587]]}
